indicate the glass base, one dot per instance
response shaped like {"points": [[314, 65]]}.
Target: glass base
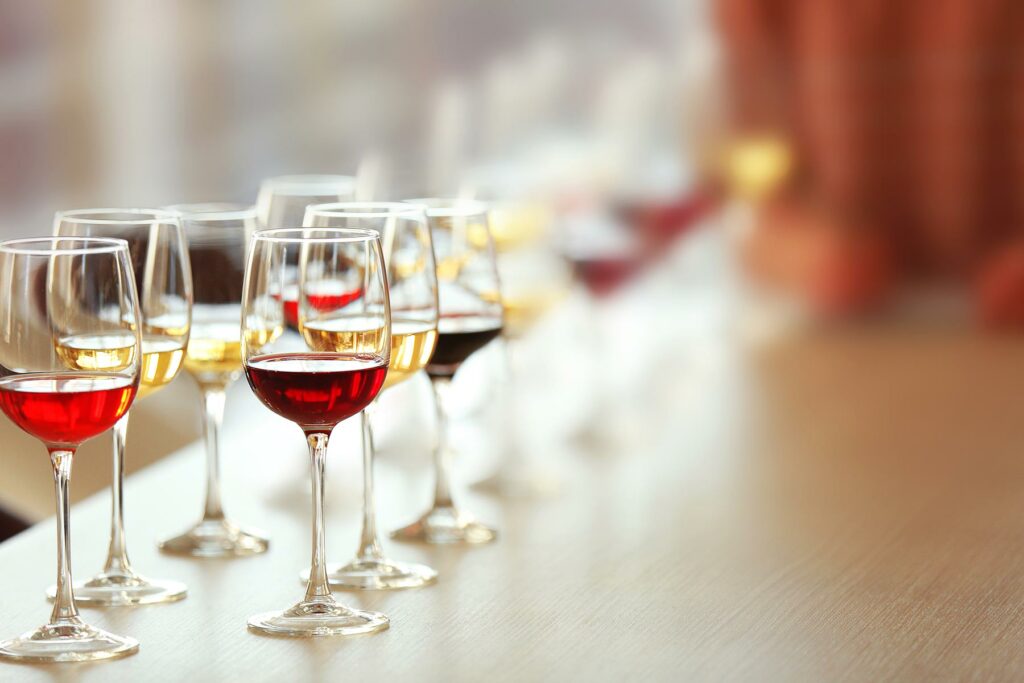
{"points": [[68, 640], [445, 525], [520, 482], [124, 588], [318, 618], [216, 538], [378, 575]]}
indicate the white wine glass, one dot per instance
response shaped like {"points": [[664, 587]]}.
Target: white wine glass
{"points": [[412, 282], [534, 280], [217, 236], [163, 280]]}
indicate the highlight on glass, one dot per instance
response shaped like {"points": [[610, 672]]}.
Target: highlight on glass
{"points": [[317, 389], [217, 237], [163, 281], [470, 317], [60, 288], [412, 282]]}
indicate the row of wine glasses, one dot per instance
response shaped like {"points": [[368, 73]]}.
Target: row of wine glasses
{"points": [[119, 300]]}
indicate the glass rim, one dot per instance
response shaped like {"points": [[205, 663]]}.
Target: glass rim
{"points": [[281, 235], [450, 207], [103, 245], [213, 211], [144, 216], [367, 209], [303, 184]]}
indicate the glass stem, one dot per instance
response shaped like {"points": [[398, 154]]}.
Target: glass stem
{"points": [[369, 544], [213, 416], [317, 590], [512, 452], [64, 601], [599, 356], [442, 483], [117, 553]]}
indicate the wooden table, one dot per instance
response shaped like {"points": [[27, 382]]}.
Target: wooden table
{"points": [[836, 506]]}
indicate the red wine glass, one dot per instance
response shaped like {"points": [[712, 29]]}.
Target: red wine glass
{"points": [[470, 317], [282, 203], [56, 288], [412, 283], [313, 388]]}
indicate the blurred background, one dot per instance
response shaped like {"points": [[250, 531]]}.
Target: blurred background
{"points": [[672, 176]]}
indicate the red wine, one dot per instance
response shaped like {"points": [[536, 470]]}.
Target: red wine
{"points": [[659, 222], [459, 336], [602, 275], [316, 390], [66, 409], [319, 302]]}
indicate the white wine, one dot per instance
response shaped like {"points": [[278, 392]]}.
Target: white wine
{"points": [[161, 361], [412, 345], [214, 353], [523, 309], [512, 225], [161, 356], [412, 342], [99, 352], [342, 334]]}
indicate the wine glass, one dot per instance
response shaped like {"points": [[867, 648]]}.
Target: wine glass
{"points": [[282, 203], [317, 389], [57, 288], [534, 280], [604, 258], [282, 200], [217, 237], [470, 318], [163, 281], [412, 282]]}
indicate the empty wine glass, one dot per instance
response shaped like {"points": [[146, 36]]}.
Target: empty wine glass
{"points": [[282, 200], [412, 281], [317, 389], [163, 281], [470, 318], [217, 239], [58, 288]]}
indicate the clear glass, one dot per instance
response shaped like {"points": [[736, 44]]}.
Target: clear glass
{"points": [[218, 236], [412, 282], [282, 200], [163, 281], [470, 316], [58, 288], [342, 286]]}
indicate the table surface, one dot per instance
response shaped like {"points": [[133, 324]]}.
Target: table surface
{"points": [[832, 506]]}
